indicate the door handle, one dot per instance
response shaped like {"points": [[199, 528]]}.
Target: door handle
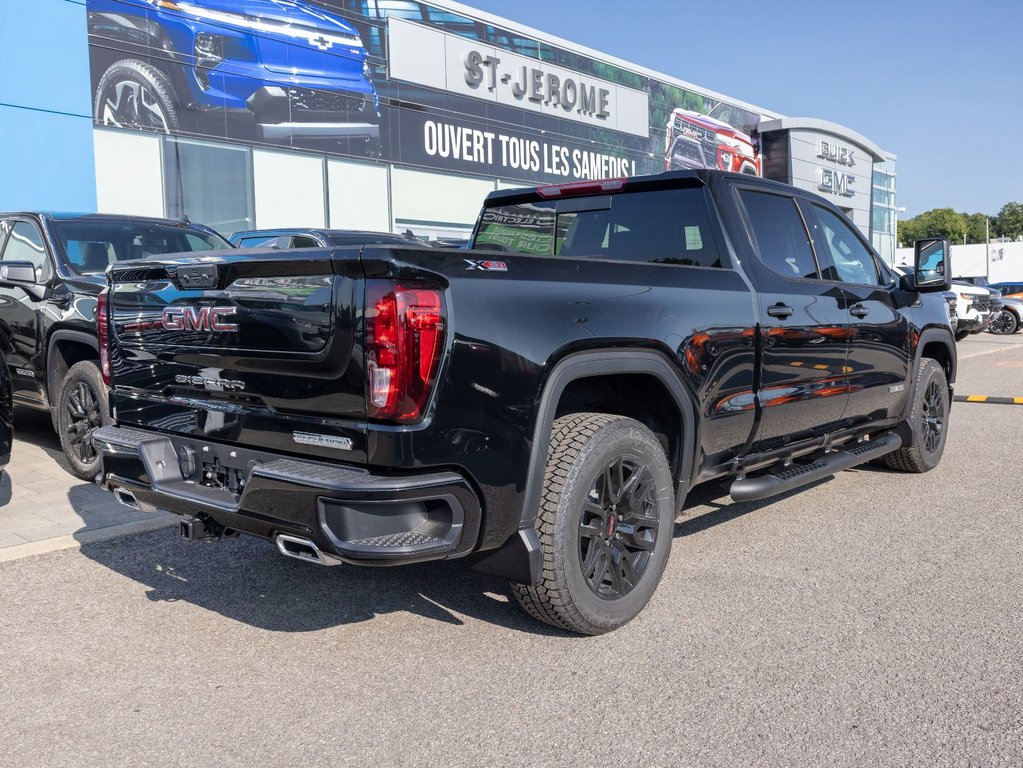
{"points": [[858, 310], [779, 310]]}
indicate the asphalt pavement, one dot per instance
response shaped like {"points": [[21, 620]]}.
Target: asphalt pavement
{"points": [[873, 619]]}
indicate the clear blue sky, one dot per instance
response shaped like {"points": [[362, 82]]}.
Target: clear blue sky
{"points": [[940, 84]]}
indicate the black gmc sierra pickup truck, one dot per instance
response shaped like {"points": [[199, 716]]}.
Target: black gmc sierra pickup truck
{"points": [[538, 406]]}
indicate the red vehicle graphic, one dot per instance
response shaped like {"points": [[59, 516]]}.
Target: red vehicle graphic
{"points": [[693, 140]]}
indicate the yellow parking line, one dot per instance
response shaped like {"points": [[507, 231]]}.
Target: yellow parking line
{"points": [[976, 398]]}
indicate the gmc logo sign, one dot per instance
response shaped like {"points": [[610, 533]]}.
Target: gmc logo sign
{"points": [[201, 319]]}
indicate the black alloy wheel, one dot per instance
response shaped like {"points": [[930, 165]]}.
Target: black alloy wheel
{"points": [[604, 524], [934, 413], [1004, 323], [618, 528], [81, 408], [927, 427], [83, 418]]}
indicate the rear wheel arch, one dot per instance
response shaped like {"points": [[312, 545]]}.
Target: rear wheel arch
{"points": [[65, 348], [579, 373]]}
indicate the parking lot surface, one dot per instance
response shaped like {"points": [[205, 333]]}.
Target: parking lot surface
{"points": [[43, 507], [875, 618]]}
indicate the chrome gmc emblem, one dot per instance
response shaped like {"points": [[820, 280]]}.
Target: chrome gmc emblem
{"points": [[201, 319]]}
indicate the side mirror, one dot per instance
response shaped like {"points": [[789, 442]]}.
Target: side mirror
{"points": [[14, 273], [932, 268], [21, 274]]}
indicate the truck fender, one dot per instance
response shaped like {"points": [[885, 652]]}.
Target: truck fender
{"points": [[64, 334], [597, 363], [930, 335], [520, 558]]}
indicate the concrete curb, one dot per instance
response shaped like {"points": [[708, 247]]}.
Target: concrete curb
{"points": [[76, 540]]}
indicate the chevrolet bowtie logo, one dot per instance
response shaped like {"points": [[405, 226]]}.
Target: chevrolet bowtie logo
{"points": [[321, 42]]}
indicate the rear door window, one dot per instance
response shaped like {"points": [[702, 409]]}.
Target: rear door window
{"points": [[852, 260], [665, 227], [780, 236]]}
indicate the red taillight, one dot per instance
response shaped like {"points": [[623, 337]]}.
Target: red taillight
{"points": [[581, 188], [404, 344], [103, 335]]}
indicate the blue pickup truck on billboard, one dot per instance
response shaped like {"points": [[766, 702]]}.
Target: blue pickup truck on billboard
{"points": [[364, 78], [278, 71]]}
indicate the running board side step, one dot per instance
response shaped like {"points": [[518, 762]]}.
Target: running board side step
{"points": [[797, 475]]}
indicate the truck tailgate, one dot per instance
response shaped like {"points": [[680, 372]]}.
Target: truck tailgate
{"points": [[254, 348]]}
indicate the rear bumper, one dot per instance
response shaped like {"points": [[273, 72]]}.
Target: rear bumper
{"points": [[350, 513]]}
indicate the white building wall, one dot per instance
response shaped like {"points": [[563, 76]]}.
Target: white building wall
{"points": [[434, 203], [290, 189], [971, 261], [358, 196], [129, 173]]}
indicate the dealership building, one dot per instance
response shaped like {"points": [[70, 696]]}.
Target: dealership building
{"points": [[366, 114]]}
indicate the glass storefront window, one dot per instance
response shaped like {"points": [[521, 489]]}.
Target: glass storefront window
{"points": [[210, 184]]}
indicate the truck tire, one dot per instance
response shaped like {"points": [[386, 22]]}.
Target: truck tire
{"points": [[928, 420], [605, 524], [81, 408], [134, 94]]}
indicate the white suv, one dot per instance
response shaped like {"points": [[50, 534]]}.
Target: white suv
{"points": [[973, 308]]}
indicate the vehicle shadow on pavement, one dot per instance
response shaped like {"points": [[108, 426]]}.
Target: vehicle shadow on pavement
{"points": [[36, 427], [246, 580], [709, 505]]}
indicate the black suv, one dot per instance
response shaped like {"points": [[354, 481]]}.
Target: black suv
{"points": [[51, 273]]}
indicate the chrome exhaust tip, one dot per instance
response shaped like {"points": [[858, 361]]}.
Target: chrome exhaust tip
{"points": [[126, 497], [303, 549]]}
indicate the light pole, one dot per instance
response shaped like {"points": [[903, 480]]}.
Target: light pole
{"points": [[895, 229], [987, 248]]}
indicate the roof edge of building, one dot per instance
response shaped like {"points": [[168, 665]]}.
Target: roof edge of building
{"points": [[826, 126], [593, 53]]}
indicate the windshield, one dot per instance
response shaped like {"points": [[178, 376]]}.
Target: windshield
{"points": [[92, 245]]}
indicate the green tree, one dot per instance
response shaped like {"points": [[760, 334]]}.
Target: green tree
{"points": [[1009, 221], [976, 227], [907, 232], [939, 222]]}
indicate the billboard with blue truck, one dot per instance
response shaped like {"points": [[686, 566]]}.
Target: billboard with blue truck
{"points": [[399, 81]]}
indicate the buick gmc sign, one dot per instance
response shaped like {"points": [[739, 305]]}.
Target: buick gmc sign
{"points": [[835, 180], [426, 56]]}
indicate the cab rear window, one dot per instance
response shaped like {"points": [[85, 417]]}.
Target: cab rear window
{"points": [[662, 227]]}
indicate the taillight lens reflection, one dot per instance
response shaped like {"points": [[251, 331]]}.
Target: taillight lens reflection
{"points": [[404, 344], [103, 335]]}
